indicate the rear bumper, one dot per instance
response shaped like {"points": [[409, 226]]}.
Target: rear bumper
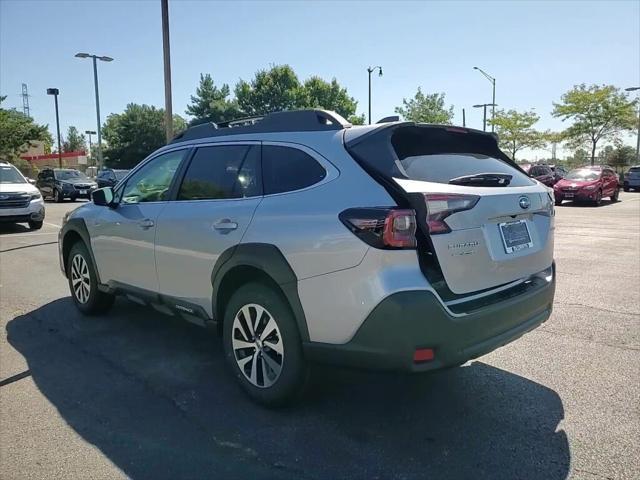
{"points": [[414, 319]]}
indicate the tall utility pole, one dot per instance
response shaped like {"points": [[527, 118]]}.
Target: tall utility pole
{"points": [[370, 71], [55, 92], [168, 110], [91, 132], [95, 83], [634, 89], [25, 100], [493, 98]]}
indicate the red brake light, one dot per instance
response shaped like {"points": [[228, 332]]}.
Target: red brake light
{"points": [[441, 205], [382, 227], [423, 355]]}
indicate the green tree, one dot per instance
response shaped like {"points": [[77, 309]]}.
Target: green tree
{"points": [[597, 112], [318, 93], [356, 119], [515, 131], [622, 156], [270, 90], [135, 133], [17, 131], [426, 108], [75, 141], [212, 104], [579, 158]]}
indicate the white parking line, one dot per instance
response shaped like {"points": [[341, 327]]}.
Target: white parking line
{"points": [[52, 224], [28, 235]]}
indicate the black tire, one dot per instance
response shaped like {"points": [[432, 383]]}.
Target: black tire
{"points": [[95, 302], [598, 201], [616, 194], [558, 202], [33, 225], [73, 199], [293, 374], [626, 189], [58, 197]]}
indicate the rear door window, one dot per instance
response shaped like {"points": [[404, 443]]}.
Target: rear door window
{"points": [[286, 169], [225, 171]]}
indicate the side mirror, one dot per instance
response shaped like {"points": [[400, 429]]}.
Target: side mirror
{"points": [[103, 196], [31, 181]]}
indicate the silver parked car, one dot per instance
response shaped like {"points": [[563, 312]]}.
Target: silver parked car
{"points": [[396, 246]]}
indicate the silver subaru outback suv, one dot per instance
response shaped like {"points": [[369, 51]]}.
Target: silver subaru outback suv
{"points": [[395, 246]]}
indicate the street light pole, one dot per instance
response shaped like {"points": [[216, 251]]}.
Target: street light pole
{"points": [[484, 117], [370, 70], [166, 47], [493, 97], [633, 89], [55, 92], [95, 82]]}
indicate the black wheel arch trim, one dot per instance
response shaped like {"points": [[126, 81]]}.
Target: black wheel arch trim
{"points": [[269, 259], [78, 226]]}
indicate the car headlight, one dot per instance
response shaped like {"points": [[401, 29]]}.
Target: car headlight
{"points": [[35, 196], [590, 187]]}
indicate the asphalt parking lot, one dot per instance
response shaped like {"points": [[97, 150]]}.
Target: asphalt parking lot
{"points": [[136, 394]]}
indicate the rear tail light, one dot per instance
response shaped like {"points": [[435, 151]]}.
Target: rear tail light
{"points": [[382, 227], [441, 205]]}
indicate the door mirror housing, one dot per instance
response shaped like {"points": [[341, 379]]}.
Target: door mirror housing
{"points": [[103, 197], [31, 181]]}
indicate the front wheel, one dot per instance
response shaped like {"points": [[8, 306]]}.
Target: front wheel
{"points": [[558, 202], [83, 282], [598, 200], [57, 196], [262, 345], [33, 225], [616, 194], [626, 189]]}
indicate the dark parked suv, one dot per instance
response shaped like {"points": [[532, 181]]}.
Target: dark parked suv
{"points": [[542, 173], [109, 177], [61, 183]]}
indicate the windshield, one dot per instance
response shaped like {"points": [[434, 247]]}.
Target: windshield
{"points": [[583, 175], [70, 175], [9, 174]]}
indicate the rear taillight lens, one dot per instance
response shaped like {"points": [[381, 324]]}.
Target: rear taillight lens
{"points": [[382, 227], [441, 205]]}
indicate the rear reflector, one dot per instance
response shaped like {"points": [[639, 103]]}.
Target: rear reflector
{"points": [[423, 355], [441, 205], [382, 227]]}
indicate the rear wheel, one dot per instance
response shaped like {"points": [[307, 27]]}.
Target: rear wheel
{"points": [[626, 188], [558, 201], [262, 345], [33, 225], [83, 282]]}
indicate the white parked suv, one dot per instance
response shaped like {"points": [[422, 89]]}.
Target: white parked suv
{"points": [[20, 201], [395, 246]]}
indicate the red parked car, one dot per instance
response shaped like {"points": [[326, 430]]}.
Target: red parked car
{"points": [[588, 184], [542, 173]]}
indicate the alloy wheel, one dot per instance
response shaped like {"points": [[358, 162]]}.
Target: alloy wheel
{"points": [[257, 345], [80, 279]]}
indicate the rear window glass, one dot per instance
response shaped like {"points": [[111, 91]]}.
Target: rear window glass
{"points": [[634, 170], [442, 168], [287, 169]]}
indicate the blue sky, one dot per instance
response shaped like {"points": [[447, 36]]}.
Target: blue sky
{"points": [[536, 50]]}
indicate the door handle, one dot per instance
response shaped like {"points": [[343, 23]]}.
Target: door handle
{"points": [[225, 225], [146, 223]]}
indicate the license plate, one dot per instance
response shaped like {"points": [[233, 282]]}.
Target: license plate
{"points": [[515, 236], [83, 192], [568, 195]]}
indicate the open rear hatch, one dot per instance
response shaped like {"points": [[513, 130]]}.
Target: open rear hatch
{"points": [[482, 221]]}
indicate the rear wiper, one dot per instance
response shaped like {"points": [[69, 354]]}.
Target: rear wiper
{"points": [[483, 180]]}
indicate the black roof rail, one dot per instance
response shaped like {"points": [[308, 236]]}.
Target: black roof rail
{"points": [[392, 118], [312, 120]]}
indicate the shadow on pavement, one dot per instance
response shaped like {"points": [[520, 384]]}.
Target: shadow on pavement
{"points": [[153, 394]]}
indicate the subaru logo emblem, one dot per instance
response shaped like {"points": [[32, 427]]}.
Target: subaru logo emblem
{"points": [[524, 202]]}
